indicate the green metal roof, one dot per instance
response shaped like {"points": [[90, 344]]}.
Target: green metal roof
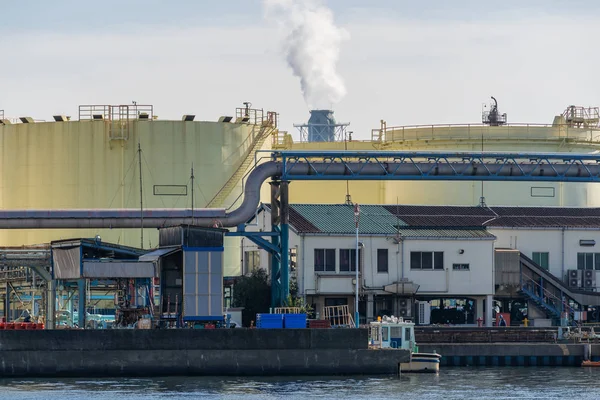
{"points": [[374, 220]]}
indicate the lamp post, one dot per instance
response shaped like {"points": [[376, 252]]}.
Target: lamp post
{"points": [[356, 220]]}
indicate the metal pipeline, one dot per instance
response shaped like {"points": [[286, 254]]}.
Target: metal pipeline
{"points": [[156, 218]]}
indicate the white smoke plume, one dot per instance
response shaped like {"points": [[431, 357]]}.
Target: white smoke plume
{"points": [[312, 48]]}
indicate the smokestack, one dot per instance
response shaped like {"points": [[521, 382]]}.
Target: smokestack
{"points": [[321, 126]]}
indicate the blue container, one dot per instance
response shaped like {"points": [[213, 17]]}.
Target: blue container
{"points": [[294, 321], [269, 321]]}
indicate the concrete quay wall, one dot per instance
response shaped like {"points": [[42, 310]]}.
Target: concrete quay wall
{"points": [[84, 353], [512, 354]]}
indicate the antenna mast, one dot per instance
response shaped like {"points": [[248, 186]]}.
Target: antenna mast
{"points": [[192, 178], [141, 195]]}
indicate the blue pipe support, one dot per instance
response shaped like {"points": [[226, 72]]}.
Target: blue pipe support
{"points": [[275, 271], [285, 242], [285, 262], [7, 303], [81, 305]]}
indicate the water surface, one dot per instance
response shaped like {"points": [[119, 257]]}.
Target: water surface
{"points": [[451, 383]]}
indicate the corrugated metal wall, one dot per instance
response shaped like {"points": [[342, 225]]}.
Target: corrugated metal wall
{"points": [[202, 283]]}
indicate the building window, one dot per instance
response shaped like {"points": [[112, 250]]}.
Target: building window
{"points": [[324, 260], [251, 261], [382, 260], [348, 260], [588, 261], [541, 259], [428, 260], [460, 267]]}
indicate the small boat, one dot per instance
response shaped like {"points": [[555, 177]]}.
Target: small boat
{"points": [[588, 363], [395, 333]]}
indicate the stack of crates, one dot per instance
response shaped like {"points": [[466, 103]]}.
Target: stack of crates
{"points": [[294, 321], [269, 321]]}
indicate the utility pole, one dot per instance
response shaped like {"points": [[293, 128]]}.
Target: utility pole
{"points": [[356, 220]]}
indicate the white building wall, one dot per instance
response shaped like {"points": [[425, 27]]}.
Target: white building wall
{"points": [[560, 244], [478, 280]]}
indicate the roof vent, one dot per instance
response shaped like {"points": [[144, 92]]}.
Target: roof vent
{"points": [[188, 117]]}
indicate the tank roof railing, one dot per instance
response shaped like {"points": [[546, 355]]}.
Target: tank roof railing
{"points": [[514, 131], [122, 112]]}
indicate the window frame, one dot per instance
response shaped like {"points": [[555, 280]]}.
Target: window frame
{"points": [[351, 254], [434, 260], [588, 261], [326, 256], [537, 257], [380, 253]]}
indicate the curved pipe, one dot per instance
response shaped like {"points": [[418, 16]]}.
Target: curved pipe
{"points": [[156, 218]]}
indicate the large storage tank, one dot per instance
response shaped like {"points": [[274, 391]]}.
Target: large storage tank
{"points": [[575, 131], [94, 163]]}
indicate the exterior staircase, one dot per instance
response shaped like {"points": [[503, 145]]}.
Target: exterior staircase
{"points": [[266, 130], [548, 303]]}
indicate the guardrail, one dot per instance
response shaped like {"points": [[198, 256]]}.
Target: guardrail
{"points": [[517, 131]]}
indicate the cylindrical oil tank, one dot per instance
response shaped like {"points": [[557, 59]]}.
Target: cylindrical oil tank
{"points": [[472, 138], [96, 164]]}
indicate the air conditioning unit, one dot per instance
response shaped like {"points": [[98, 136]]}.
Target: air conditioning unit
{"points": [[404, 305], [575, 278], [424, 312], [589, 279], [575, 273]]}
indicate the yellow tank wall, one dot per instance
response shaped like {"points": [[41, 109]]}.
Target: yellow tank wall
{"points": [[515, 139], [75, 165]]}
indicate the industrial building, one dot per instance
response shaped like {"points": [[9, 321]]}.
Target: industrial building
{"points": [[179, 283], [413, 259]]}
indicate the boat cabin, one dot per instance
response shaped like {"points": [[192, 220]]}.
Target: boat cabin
{"points": [[392, 333]]}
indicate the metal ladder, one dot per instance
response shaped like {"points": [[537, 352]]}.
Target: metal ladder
{"points": [[217, 201]]}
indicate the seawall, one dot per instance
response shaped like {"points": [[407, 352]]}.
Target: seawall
{"points": [[512, 354], [84, 353]]}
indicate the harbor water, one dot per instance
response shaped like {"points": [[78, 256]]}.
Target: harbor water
{"points": [[451, 383]]}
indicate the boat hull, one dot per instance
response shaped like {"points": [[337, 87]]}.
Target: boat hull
{"points": [[422, 362]]}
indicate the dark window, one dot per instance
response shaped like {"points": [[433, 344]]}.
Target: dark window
{"points": [[382, 260], [427, 260], [438, 260], [348, 260], [588, 261], [541, 259], [415, 260], [324, 260], [460, 267], [334, 301]]}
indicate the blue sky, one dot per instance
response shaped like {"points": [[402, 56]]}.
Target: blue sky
{"points": [[407, 62]]}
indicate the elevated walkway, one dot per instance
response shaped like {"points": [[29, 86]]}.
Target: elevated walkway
{"points": [[15, 263]]}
